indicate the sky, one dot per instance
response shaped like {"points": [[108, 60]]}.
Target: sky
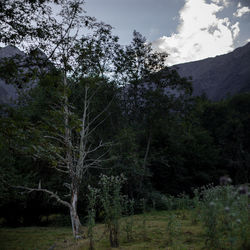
{"points": [[188, 30]]}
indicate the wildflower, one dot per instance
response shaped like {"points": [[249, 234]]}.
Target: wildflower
{"points": [[211, 204], [242, 190], [225, 180]]}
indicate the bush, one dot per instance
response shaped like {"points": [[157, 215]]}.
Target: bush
{"points": [[225, 215], [160, 201]]}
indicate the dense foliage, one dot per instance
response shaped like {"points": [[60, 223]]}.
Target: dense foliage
{"points": [[158, 136]]}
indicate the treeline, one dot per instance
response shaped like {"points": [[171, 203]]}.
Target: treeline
{"points": [[169, 146], [99, 107]]}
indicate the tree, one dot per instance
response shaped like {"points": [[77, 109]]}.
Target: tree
{"points": [[70, 148], [98, 52], [25, 21], [66, 140], [151, 91], [227, 122]]}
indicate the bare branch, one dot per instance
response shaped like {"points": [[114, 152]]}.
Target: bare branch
{"points": [[102, 112], [60, 170], [55, 138], [52, 194]]}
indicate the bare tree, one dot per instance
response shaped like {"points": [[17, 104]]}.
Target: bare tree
{"points": [[75, 158], [70, 145]]}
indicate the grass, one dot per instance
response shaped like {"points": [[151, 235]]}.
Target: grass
{"points": [[26, 238], [189, 237]]}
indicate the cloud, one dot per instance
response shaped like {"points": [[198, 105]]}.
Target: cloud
{"points": [[221, 2], [235, 30], [200, 33], [241, 11]]}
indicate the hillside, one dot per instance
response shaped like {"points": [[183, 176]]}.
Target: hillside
{"points": [[217, 77], [26, 64], [7, 91], [220, 76]]}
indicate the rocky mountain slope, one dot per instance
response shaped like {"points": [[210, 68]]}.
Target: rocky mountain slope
{"points": [[8, 92], [220, 76], [27, 64]]}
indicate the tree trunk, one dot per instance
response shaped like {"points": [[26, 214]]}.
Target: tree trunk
{"points": [[113, 235], [145, 163], [76, 224], [68, 142]]}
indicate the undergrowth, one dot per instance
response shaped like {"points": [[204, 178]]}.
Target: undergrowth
{"points": [[215, 218]]}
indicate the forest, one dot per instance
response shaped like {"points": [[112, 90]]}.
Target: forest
{"points": [[99, 127]]}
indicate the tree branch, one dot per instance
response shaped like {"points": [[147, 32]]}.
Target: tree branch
{"points": [[52, 194]]}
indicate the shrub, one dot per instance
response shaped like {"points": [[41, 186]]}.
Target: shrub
{"points": [[111, 199], [225, 215]]}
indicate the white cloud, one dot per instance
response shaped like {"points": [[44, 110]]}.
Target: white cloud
{"points": [[223, 2], [235, 29], [241, 11], [200, 34]]}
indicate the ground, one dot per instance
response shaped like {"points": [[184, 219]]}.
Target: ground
{"points": [[155, 235]]}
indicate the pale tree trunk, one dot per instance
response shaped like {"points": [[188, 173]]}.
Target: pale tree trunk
{"points": [[67, 130], [76, 224]]}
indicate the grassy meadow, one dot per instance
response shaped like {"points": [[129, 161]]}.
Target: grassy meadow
{"points": [[154, 235], [215, 218]]}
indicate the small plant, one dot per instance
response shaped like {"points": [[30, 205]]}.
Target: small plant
{"points": [[129, 212], [211, 219], [144, 220], [183, 201], [168, 201], [92, 198], [225, 215], [196, 211], [228, 227], [225, 180], [173, 227], [111, 199], [244, 217]]}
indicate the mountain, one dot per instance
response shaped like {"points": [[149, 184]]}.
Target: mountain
{"points": [[216, 77], [8, 92], [36, 60], [220, 76]]}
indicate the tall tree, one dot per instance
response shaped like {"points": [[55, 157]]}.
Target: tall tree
{"points": [[98, 52], [66, 139], [150, 92]]}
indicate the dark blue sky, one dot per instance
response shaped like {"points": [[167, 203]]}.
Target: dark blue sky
{"points": [[153, 18]]}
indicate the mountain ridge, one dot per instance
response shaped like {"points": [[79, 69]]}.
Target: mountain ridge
{"points": [[216, 77], [26, 64], [220, 76]]}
